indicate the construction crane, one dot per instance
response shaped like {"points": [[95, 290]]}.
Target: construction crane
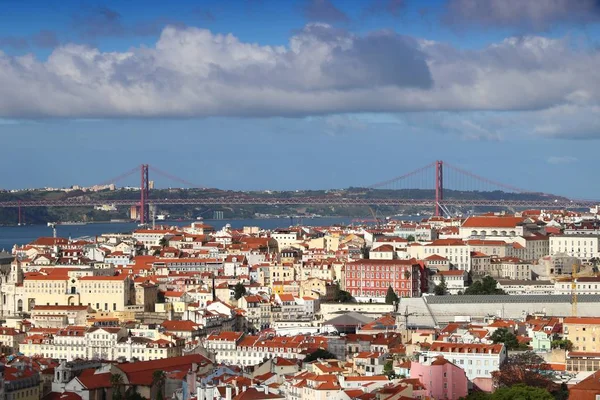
{"points": [[576, 273]]}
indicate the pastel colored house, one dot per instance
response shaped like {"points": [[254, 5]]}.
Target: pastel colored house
{"points": [[441, 378]]}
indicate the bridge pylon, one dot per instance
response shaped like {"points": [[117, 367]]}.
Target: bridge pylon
{"points": [[439, 187], [144, 192]]}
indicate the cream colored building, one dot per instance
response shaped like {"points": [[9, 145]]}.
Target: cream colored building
{"points": [[583, 332], [583, 247], [322, 269], [322, 288], [285, 238], [10, 339], [80, 342], [107, 293], [152, 237], [75, 315], [456, 251]]}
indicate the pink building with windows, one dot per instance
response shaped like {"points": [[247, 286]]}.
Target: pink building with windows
{"points": [[442, 379]]}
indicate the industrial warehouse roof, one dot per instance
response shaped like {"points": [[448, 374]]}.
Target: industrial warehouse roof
{"points": [[468, 299], [349, 319]]}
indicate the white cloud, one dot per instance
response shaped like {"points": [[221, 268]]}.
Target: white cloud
{"points": [[193, 72]]}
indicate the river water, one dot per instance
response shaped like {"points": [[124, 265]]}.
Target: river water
{"points": [[11, 235]]}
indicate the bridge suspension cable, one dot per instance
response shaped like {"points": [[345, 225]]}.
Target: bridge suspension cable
{"points": [[485, 180], [176, 178], [402, 177], [124, 175]]}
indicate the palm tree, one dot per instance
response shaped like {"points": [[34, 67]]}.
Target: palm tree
{"points": [[158, 381], [116, 383]]}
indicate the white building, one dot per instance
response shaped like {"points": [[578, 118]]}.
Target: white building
{"points": [[455, 250], [285, 238], [477, 360], [581, 246], [456, 280], [152, 237], [79, 342], [492, 227], [521, 287]]}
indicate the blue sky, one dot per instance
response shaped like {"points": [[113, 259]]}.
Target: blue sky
{"points": [[262, 94]]}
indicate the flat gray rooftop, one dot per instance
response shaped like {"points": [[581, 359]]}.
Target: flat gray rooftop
{"points": [[496, 298]]}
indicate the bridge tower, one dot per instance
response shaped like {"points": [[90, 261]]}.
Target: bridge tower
{"points": [[439, 187], [144, 192]]}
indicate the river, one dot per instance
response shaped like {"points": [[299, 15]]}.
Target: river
{"points": [[11, 235]]}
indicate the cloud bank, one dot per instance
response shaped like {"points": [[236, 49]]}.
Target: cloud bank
{"points": [[524, 14], [323, 70]]}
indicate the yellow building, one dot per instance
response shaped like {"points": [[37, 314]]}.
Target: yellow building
{"points": [[324, 289], [106, 293], [583, 332]]}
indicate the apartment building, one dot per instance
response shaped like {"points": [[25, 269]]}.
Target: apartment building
{"points": [[371, 278], [236, 349], [492, 227], [582, 246], [152, 237], [477, 360], [583, 332], [106, 293], [455, 280], [10, 339], [79, 342], [455, 250], [442, 379], [510, 268]]}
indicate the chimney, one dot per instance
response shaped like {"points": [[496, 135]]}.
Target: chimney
{"points": [[266, 389], [237, 388], [228, 392]]}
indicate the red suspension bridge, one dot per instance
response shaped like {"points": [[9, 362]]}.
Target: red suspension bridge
{"points": [[437, 177]]}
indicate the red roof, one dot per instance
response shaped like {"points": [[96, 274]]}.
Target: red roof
{"points": [[140, 372], [492, 222], [180, 326], [91, 380], [582, 320]]}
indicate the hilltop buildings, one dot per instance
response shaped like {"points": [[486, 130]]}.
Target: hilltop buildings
{"points": [[257, 313]]}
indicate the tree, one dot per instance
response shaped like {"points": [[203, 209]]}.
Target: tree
{"points": [[410, 238], [503, 335], [510, 340], [319, 354], [487, 285], [442, 288], [521, 392], [116, 384], [516, 392], [163, 242], [239, 290], [341, 296], [159, 378], [524, 368], [388, 370], [391, 297], [565, 344]]}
